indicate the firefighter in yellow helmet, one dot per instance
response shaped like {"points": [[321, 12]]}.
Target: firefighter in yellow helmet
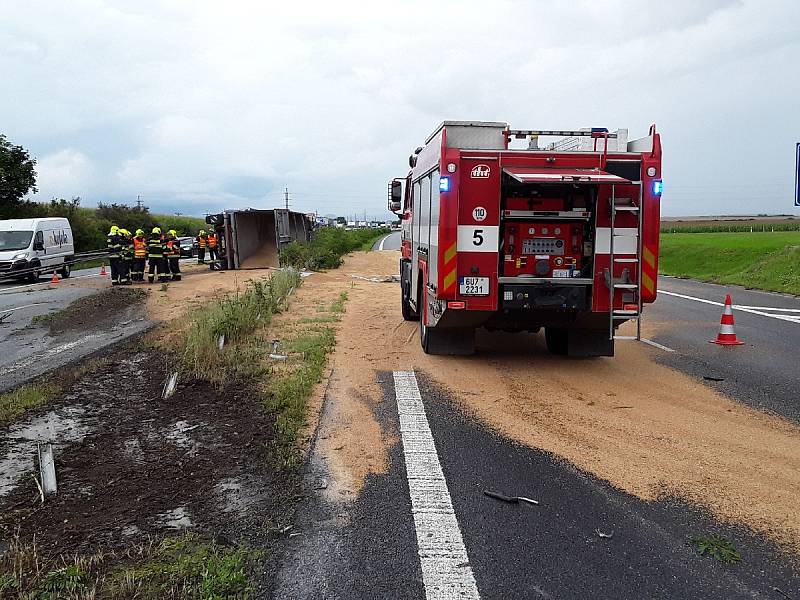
{"points": [[173, 254], [155, 253], [126, 256], [202, 242], [114, 246], [139, 256]]}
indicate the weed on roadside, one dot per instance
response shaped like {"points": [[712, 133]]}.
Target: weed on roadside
{"points": [[717, 547], [328, 247]]}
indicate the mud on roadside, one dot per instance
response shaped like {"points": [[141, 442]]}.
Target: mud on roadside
{"points": [[133, 467]]}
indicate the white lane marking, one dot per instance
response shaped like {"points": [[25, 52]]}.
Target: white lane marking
{"points": [[735, 306], [21, 307], [32, 285], [788, 310], [55, 350], [657, 345], [383, 241], [446, 572]]}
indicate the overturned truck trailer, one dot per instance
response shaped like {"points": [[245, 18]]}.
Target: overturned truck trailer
{"points": [[254, 238]]}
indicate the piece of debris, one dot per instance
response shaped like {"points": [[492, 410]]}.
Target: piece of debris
{"points": [[781, 592], [4, 317], [295, 534], [169, 385], [47, 470], [274, 355], [622, 407], [600, 534], [221, 341], [709, 378], [285, 529], [322, 485], [717, 547], [509, 499], [378, 279]]}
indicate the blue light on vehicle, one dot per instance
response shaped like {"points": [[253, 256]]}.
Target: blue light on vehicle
{"points": [[444, 184], [658, 187]]}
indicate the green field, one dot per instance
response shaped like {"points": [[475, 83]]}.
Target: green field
{"points": [[767, 261]]}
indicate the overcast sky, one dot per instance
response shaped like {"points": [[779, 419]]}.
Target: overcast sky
{"points": [[199, 106]]}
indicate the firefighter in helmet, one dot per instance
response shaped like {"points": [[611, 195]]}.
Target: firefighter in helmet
{"points": [[126, 256], [212, 241], [173, 254], [114, 246], [156, 260], [202, 242], [139, 256]]}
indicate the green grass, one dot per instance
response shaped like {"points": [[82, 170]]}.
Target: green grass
{"points": [[717, 547], [768, 261], [329, 245], [16, 402], [188, 566], [236, 317]]}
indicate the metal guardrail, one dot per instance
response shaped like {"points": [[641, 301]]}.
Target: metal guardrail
{"points": [[78, 258]]}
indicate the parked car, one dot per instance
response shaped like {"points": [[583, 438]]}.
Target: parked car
{"points": [[36, 246], [187, 247]]}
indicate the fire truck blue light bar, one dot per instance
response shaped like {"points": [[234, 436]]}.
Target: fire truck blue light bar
{"points": [[658, 187], [444, 184]]}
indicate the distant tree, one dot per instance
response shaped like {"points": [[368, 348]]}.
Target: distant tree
{"points": [[129, 217], [17, 178]]}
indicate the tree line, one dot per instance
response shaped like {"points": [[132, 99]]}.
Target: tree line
{"points": [[89, 225]]}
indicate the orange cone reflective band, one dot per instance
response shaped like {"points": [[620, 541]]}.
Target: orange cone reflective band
{"points": [[726, 335]]}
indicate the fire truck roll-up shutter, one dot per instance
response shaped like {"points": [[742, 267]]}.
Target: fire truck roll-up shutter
{"points": [[562, 175]]}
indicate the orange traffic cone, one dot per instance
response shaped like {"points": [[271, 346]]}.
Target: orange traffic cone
{"points": [[726, 335], [55, 278], [103, 272]]}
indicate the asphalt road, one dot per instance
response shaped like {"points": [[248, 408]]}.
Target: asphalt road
{"points": [[30, 351], [584, 539], [764, 372], [388, 242]]}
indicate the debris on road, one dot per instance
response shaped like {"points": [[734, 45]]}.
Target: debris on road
{"points": [[4, 317], [274, 355], [47, 470], [221, 341], [378, 278], [709, 378], [509, 499], [600, 534], [169, 386]]}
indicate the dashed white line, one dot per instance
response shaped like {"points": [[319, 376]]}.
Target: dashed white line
{"points": [[790, 319], [657, 345], [446, 572]]}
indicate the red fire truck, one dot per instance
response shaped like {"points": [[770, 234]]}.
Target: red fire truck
{"points": [[561, 233]]}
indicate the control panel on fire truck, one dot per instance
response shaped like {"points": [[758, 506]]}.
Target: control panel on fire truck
{"points": [[543, 249]]}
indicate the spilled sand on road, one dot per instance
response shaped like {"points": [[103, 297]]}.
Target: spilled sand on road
{"points": [[647, 429]]}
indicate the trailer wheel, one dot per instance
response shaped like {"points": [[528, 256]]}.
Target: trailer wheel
{"points": [[557, 339], [405, 292]]}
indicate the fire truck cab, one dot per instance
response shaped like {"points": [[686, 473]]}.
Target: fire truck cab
{"points": [[559, 234]]}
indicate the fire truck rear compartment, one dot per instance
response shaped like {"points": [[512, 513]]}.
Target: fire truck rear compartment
{"points": [[546, 256]]}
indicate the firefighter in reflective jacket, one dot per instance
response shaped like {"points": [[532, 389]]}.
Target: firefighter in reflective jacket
{"points": [[173, 254], [126, 254], [114, 246], [202, 242], [155, 254], [139, 256], [212, 247]]}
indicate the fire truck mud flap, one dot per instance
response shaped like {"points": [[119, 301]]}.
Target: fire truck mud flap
{"points": [[585, 343], [458, 341]]}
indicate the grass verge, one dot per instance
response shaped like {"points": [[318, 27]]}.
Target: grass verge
{"points": [[17, 402], [767, 261], [188, 566], [328, 247]]}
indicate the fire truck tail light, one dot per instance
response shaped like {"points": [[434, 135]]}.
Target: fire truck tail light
{"points": [[444, 184], [658, 187], [457, 305]]}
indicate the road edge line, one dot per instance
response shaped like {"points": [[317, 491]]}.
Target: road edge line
{"points": [[735, 307], [446, 571]]}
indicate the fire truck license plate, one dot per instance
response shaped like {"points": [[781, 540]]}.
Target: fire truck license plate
{"points": [[473, 286]]}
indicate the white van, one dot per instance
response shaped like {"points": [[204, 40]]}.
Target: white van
{"points": [[37, 245]]}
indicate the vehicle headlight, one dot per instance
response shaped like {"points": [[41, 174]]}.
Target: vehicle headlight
{"points": [[21, 256]]}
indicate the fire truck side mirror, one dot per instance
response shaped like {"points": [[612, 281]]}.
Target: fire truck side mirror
{"points": [[395, 195]]}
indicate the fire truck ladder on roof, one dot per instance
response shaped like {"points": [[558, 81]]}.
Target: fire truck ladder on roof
{"points": [[623, 283]]}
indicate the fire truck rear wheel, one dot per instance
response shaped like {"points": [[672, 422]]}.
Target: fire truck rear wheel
{"points": [[557, 339]]}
